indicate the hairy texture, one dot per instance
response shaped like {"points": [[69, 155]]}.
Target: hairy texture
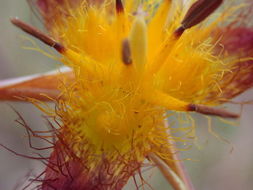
{"points": [[235, 46], [132, 64], [128, 71], [76, 173], [239, 43]]}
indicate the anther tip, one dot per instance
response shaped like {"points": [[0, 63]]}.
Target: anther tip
{"points": [[119, 6], [126, 52], [206, 110], [179, 32]]}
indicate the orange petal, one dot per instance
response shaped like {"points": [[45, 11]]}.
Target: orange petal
{"points": [[39, 86]]}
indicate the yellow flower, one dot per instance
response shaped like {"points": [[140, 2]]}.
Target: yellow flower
{"points": [[130, 63]]}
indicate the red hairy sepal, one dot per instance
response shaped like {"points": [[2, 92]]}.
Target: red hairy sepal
{"points": [[48, 6], [76, 174], [236, 43], [65, 175], [237, 40], [56, 11]]}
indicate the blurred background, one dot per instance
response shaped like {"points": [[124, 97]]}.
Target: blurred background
{"points": [[212, 163]]}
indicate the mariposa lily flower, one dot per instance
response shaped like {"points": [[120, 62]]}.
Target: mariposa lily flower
{"points": [[127, 64]]}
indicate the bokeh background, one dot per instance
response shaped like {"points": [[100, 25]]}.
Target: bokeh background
{"points": [[212, 163]]}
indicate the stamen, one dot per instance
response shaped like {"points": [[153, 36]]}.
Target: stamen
{"points": [[119, 6], [198, 12], [174, 104], [126, 52], [38, 34], [212, 111], [72, 55]]}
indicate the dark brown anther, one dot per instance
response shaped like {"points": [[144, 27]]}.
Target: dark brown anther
{"points": [[198, 12], [126, 52], [38, 34], [179, 31], [206, 110], [119, 6]]}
